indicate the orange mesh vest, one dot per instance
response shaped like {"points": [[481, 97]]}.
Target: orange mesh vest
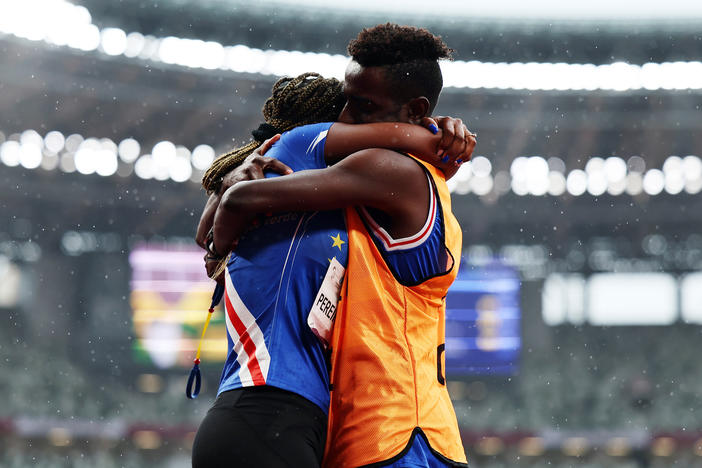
{"points": [[387, 354]]}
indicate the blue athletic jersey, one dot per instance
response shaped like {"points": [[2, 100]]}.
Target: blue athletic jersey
{"points": [[416, 258], [273, 278]]}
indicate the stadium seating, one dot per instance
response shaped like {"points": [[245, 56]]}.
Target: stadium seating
{"points": [[585, 379]]}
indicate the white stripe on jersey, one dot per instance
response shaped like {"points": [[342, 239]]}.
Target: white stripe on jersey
{"points": [[316, 141], [260, 350], [285, 263], [405, 243]]}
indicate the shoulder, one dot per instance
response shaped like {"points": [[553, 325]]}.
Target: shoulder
{"points": [[306, 132], [302, 146], [398, 185]]}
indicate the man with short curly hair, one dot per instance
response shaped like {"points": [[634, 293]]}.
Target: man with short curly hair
{"points": [[389, 403]]}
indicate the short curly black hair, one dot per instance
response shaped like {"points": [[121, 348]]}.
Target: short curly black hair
{"points": [[409, 55]]}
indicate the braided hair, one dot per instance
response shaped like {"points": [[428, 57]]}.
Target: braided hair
{"points": [[306, 99]]}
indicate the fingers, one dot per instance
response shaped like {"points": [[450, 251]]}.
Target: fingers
{"points": [[277, 166], [429, 123], [470, 146], [451, 129], [255, 167], [263, 149], [257, 163], [457, 142], [461, 130], [447, 132], [467, 146]]}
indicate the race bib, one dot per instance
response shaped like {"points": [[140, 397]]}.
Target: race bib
{"points": [[323, 312]]}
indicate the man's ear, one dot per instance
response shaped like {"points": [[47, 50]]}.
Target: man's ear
{"points": [[417, 108]]}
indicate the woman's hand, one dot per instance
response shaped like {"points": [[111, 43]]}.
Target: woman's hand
{"points": [[455, 143], [254, 166]]}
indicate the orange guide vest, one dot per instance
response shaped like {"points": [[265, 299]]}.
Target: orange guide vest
{"points": [[387, 354]]}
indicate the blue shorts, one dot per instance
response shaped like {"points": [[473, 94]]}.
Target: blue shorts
{"points": [[419, 456]]}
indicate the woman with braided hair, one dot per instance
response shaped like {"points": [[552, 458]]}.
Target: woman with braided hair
{"points": [[305, 99], [282, 284], [294, 102]]}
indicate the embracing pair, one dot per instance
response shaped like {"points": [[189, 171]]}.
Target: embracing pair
{"points": [[336, 273]]}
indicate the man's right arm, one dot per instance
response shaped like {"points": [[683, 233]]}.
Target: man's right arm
{"points": [[382, 179], [252, 168]]}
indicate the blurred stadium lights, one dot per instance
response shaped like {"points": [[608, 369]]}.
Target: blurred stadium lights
{"points": [[10, 285], [59, 437], [128, 150], [516, 9], [637, 298], [143, 167], [531, 446], [575, 446], [690, 297], [60, 23], [618, 447], [576, 182], [103, 156], [202, 157], [489, 446], [663, 446], [147, 439], [54, 141], [150, 383], [24, 251], [113, 41], [528, 175], [654, 182]]}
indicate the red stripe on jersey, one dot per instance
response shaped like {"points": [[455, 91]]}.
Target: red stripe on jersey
{"points": [[419, 238], [246, 342]]}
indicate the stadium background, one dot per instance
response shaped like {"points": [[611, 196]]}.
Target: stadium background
{"points": [[585, 183]]}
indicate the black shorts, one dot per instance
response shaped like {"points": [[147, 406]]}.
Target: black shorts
{"points": [[261, 427]]}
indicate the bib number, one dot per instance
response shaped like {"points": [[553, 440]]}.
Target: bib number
{"points": [[323, 312]]}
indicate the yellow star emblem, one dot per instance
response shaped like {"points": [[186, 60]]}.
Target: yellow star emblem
{"points": [[337, 241]]}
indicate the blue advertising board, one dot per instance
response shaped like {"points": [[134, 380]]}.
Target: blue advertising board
{"points": [[483, 321]]}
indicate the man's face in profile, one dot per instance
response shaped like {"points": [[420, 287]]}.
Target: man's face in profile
{"points": [[370, 97]]}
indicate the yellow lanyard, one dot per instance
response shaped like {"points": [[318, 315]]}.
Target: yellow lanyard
{"points": [[195, 377]]}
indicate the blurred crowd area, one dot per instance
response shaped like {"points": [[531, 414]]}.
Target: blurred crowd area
{"points": [[178, 458], [592, 377], [93, 457], [586, 378], [584, 396]]}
